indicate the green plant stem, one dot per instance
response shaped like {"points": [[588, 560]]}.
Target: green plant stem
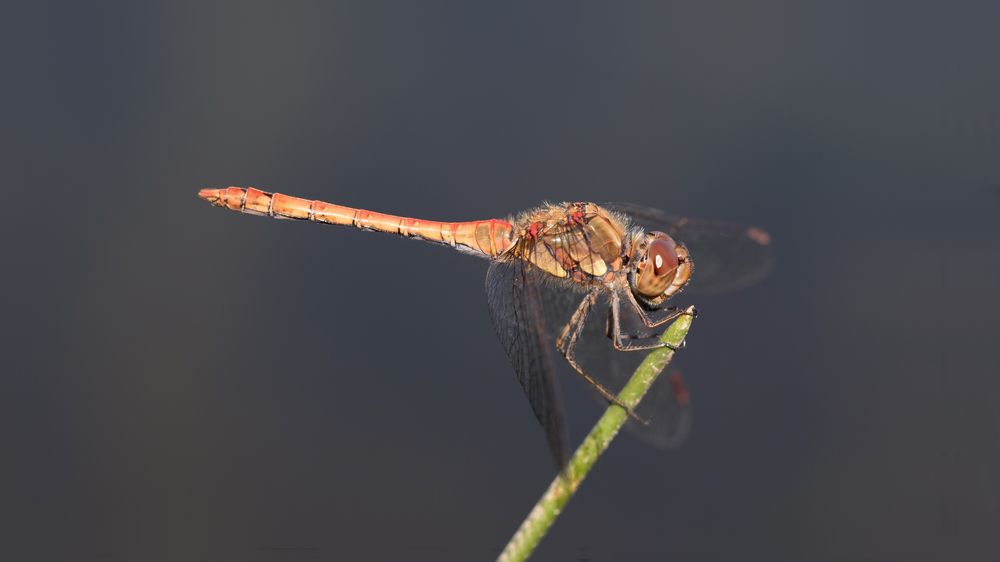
{"points": [[566, 483]]}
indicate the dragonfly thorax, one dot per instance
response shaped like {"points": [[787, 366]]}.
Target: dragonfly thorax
{"points": [[587, 244], [577, 241]]}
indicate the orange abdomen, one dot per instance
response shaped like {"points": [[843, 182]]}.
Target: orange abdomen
{"points": [[490, 237]]}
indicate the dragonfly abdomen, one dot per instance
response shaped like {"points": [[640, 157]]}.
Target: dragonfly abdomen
{"points": [[489, 237]]}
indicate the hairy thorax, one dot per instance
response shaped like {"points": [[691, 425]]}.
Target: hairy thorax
{"points": [[581, 242]]}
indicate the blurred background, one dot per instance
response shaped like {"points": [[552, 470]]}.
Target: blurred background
{"points": [[182, 383]]}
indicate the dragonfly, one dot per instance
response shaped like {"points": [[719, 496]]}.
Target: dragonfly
{"points": [[551, 267]]}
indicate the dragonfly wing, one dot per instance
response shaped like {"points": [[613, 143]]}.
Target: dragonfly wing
{"points": [[667, 406], [726, 256], [513, 293], [669, 412]]}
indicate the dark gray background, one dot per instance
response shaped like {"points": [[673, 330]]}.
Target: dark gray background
{"points": [[186, 384]]}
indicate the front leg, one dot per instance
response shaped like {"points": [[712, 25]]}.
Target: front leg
{"points": [[635, 342], [671, 312], [566, 344]]}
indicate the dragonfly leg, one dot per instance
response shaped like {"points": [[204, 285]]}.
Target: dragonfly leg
{"points": [[671, 312], [566, 344], [637, 342], [571, 331]]}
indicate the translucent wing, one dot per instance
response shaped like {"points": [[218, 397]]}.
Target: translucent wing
{"points": [[726, 256], [667, 406], [512, 291], [668, 410]]}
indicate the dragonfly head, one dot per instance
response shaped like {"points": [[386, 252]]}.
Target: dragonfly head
{"points": [[659, 269]]}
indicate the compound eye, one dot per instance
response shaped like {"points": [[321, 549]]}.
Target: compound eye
{"points": [[663, 257], [659, 266]]}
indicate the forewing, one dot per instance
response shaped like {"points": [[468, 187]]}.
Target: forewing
{"points": [[513, 292], [726, 256]]}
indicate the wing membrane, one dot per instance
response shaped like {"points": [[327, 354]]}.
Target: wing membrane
{"points": [[667, 406], [512, 291], [726, 256]]}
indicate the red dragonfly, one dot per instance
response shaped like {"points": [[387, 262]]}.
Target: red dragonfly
{"points": [[559, 262]]}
